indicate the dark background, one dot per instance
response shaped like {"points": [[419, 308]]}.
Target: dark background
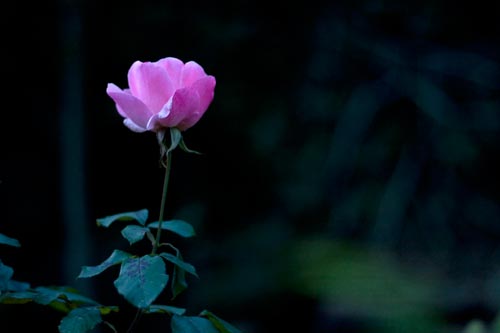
{"points": [[349, 181]]}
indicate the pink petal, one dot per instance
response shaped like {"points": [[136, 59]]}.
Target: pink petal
{"points": [[133, 126], [205, 88], [154, 123], [183, 104], [151, 84], [174, 68], [112, 88], [129, 106], [191, 73], [189, 122]]}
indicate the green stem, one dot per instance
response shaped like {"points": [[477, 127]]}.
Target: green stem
{"points": [[136, 319], [163, 199]]}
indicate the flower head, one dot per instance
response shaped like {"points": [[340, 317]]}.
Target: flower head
{"points": [[162, 94]]}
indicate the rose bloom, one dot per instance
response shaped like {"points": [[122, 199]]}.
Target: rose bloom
{"points": [[162, 94]]}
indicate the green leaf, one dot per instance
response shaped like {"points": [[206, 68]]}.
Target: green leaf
{"points": [[140, 216], [141, 280], [134, 233], [177, 260], [180, 227], [9, 241], [222, 325], [80, 320], [21, 297], [64, 295], [184, 324], [155, 308], [6, 273], [175, 138], [13, 285], [104, 310], [179, 283], [183, 146], [115, 258]]}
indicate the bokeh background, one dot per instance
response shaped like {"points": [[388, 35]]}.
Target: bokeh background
{"points": [[349, 181]]}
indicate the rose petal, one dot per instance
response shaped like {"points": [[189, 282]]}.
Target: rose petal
{"points": [[189, 122], [174, 69], [129, 106], [184, 103], [112, 88], [151, 84], [133, 126], [205, 88], [154, 123], [162, 94], [191, 73]]}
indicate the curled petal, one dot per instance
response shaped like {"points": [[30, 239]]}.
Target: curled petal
{"points": [[173, 66], [205, 88], [184, 103], [154, 123], [112, 88], [133, 126], [191, 73], [129, 106], [150, 83]]}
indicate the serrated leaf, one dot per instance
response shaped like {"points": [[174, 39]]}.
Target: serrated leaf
{"points": [[222, 325], [180, 227], [185, 324], [156, 308], [80, 320], [134, 233], [9, 241], [141, 280], [117, 257], [140, 216], [177, 260]]}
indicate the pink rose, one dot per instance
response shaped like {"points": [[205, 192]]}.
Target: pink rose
{"points": [[166, 93]]}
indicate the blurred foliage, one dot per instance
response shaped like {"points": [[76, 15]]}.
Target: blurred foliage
{"points": [[349, 178]]}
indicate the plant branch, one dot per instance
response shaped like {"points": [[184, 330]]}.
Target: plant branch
{"points": [[168, 165]]}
